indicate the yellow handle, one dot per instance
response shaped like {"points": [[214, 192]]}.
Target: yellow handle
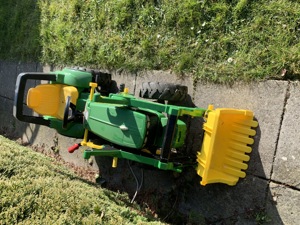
{"points": [[115, 162], [85, 137]]}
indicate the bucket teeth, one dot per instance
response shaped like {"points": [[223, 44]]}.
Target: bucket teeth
{"points": [[243, 130], [228, 134], [238, 155], [240, 138], [241, 147], [235, 163], [234, 172], [248, 123]]}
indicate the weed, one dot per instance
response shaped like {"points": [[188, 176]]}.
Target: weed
{"points": [[262, 218]]}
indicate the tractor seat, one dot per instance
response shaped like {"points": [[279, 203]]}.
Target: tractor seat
{"points": [[50, 99]]}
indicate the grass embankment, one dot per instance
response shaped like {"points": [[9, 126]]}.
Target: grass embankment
{"points": [[35, 190], [20, 30], [220, 41]]}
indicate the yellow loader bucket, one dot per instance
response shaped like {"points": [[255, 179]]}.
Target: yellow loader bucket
{"points": [[226, 141]]}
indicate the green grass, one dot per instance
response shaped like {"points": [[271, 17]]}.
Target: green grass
{"points": [[20, 30], [219, 41], [36, 189]]}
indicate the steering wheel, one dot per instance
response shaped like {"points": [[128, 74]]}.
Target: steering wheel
{"points": [[69, 112]]}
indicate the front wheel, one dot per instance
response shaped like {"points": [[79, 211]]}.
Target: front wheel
{"points": [[163, 91]]}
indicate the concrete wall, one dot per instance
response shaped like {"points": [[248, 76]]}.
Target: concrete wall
{"points": [[269, 192]]}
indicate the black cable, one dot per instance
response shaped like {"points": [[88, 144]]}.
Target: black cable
{"points": [[138, 184]]}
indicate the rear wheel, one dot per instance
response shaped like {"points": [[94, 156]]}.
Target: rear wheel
{"points": [[163, 91], [105, 84]]}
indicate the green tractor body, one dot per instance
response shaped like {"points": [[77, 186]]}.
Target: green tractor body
{"points": [[87, 104], [127, 126]]}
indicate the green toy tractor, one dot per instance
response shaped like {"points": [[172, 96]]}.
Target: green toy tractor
{"points": [[87, 104]]}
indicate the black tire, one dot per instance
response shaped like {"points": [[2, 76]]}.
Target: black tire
{"points": [[105, 84], [163, 91]]}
